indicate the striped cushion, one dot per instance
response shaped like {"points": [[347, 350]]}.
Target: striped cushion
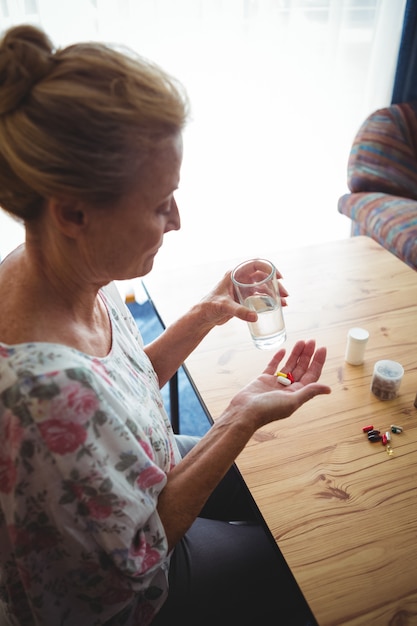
{"points": [[384, 152], [390, 220]]}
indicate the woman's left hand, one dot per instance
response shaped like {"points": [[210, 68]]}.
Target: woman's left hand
{"points": [[176, 343], [220, 304]]}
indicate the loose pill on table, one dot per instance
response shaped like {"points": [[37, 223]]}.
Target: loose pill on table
{"points": [[374, 438], [388, 435], [384, 440], [396, 429], [366, 429], [374, 432]]}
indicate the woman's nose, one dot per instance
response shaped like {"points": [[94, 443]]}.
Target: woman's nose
{"points": [[174, 220]]}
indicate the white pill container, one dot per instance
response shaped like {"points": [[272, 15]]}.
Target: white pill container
{"points": [[357, 339]]}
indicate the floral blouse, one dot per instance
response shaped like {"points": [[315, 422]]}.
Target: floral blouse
{"points": [[85, 448]]}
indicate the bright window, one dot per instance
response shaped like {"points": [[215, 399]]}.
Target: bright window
{"points": [[278, 89]]}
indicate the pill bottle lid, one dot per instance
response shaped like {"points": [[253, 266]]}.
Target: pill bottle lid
{"points": [[358, 334], [389, 369]]}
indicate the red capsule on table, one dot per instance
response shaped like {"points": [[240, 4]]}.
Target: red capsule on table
{"points": [[384, 440], [366, 429]]}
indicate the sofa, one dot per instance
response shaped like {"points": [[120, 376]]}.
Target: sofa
{"points": [[382, 180]]}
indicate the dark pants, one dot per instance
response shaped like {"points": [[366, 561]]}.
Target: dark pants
{"points": [[228, 570]]}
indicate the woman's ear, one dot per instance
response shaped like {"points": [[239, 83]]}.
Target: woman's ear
{"points": [[68, 215]]}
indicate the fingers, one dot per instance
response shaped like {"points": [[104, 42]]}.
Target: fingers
{"points": [[316, 366], [306, 393], [305, 363], [273, 364], [312, 390], [245, 314], [308, 370], [283, 293], [300, 358], [273, 401], [303, 358], [227, 282]]}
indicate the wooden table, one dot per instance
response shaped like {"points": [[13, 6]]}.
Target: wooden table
{"points": [[342, 511]]}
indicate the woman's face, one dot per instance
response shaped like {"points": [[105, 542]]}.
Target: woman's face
{"points": [[124, 240]]}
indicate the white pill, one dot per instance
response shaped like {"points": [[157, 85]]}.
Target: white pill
{"points": [[283, 380]]}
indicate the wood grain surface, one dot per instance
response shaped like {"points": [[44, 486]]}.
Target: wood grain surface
{"points": [[343, 512]]}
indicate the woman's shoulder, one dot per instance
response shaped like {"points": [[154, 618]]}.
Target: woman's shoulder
{"points": [[26, 362], [13, 312]]}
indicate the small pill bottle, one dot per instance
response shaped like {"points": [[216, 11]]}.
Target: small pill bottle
{"points": [[357, 339], [386, 379]]}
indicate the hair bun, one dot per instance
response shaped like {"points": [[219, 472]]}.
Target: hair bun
{"points": [[26, 56]]}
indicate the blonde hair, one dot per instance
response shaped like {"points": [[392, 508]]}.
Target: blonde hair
{"points": [[78, 121]]}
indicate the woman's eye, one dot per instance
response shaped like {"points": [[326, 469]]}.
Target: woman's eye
{"points": [[164, 209]]}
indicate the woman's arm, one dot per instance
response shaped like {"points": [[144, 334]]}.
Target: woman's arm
{"points": [[263, 401], [169, 351]]}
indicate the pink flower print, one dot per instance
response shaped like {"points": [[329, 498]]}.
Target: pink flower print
{"points": [[148, 555], [152, 557], [98, 508], [62, 437], [75, 402], [4, 352], [7, 474], [12, 431], [77, 490], [150, 476], [98, 367], [147, 448]]}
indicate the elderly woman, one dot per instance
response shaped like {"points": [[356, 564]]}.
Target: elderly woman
{"points": [[106, 516]]}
